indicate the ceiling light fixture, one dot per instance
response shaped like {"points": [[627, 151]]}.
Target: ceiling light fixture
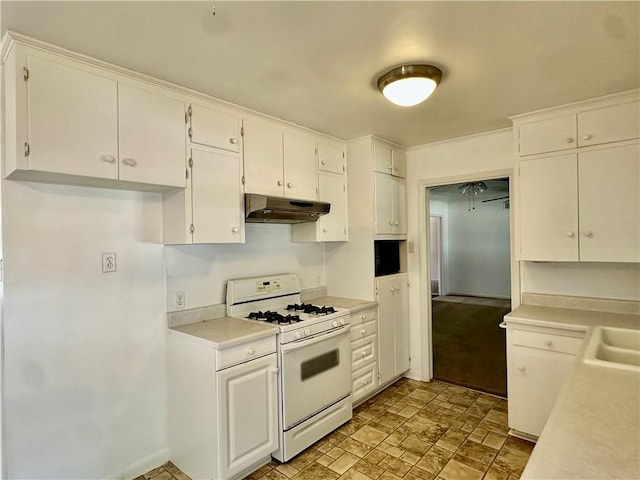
{"points": [[409, 85]]}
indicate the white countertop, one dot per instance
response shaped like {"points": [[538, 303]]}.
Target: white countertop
{"points": [[593, 431], [224, 332], [354, 305]]}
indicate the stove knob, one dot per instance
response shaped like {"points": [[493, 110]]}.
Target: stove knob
{"points": [[307, 331], [342, 321], [334, 324], [296, 334]]}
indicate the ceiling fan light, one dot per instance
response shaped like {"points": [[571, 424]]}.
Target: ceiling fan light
{"points": [[409, 85]]}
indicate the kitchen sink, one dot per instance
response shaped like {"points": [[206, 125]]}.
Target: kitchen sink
{"points": [[615, 348]]}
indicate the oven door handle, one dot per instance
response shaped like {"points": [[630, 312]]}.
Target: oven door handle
{"points": [[288, 347]]}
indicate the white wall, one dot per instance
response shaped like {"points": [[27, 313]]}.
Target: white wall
{"points": [[444, 162], [478, 249], [84, 367], [201, 271], [439, 208]]}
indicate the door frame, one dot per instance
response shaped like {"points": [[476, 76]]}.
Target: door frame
{"points": [[426, 344], [440, 254]]}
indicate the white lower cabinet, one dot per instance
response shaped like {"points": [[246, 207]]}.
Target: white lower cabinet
{"points": [[393, 326], [364, 354], [223, 422], [539, 361]]}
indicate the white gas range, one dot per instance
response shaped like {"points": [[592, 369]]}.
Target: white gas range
{"points": [[314, 357]]}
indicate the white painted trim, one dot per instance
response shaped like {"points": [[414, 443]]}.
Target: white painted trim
{"points": [[142, 466], [458, 139], [426, 348]]}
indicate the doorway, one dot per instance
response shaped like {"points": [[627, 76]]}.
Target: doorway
{"points": [[469, 254]]}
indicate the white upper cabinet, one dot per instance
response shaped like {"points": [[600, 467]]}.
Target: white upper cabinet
{"points": [[609, 124], [595, 126], [389, 160], [299, 165], [331, 158], [214, 127], [151, 137], [583, 205], [263, 158], [548, 135], [609, 199], [71, 122], [391, 205]]}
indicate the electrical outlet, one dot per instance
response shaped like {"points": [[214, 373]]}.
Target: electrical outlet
{"points": [[108, 262], [180, 300]]}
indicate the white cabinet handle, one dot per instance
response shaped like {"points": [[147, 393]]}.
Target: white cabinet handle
{"points": [[569, 140], [548, 343], [588, 234], [235, 229], [129, 161], [251, 351], [571, 234], [233, 141], [289, 184], [521, 368], [586, 137], [108, 158]]}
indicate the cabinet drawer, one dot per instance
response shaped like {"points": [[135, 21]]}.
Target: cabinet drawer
{"points": [[546, 341], [364, 382], [245, 352], [361, 331], [363, 352], [363, 317]]}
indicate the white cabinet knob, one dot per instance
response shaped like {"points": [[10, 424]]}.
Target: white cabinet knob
{"points": [[275, 371], [392, 290], [390, 167], [571, 234], [323, 162], [233, 141], [279, 183], [390, 222], [363, 317], [108, 158], [325, 229], [548, 343], [251, 351], [588, 234], [586, 137], [130, 162], [521, 368], [396, 223], [289, 184], [363, 332], [569, 140], [235, 229], [364, 382]]}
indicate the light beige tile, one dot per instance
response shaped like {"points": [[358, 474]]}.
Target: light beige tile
{"points": [[434, 460], [395, 466], [493, 474], [287, 470], [511, 460], [354, 446], [408, 411], [410, 458], [495, 416], [395, 438], [389, 476], [344, 463], [375, 456], [335, 452], [494, 440], [369, 436], [476, 451], [352, 474], [390, 450], [369, 469], [455, 470], [325, 460]]}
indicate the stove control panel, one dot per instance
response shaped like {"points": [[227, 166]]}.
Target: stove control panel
{"points": [[299, 334], [268, 286]]}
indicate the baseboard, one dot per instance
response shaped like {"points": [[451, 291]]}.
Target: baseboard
{"points": [[523, 436], [142, 466], [415, 375]]}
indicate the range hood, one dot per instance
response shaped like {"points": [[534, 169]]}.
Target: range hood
{"points": [[267, 209]]}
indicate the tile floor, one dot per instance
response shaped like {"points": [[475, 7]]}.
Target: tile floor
{"points": [[412, 430]]}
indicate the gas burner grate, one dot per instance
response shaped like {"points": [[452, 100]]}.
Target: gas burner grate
{"points": [[274, 317], [311, 309]]}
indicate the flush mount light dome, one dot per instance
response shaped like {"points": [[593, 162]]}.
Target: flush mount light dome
{"points": [[409, 85]]}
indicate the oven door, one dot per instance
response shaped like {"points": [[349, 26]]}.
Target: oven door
{"points": [[316, 373]]}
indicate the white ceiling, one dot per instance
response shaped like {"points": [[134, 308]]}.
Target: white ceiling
{"points": [[315, 63]]}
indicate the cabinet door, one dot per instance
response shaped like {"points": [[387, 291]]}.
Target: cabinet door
{"points": [[398, 164], [331, 158], [401, 320], [333, 226], [399, 215], [215, 127], [299, 166], [382, 159], [548, 135], [534, 383], [609, 182], [216, 183], [72, 120], [263, 165], [152, 137], [384, 203], [248, 415], [386, 294], [549, 209], [611, 124]]}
